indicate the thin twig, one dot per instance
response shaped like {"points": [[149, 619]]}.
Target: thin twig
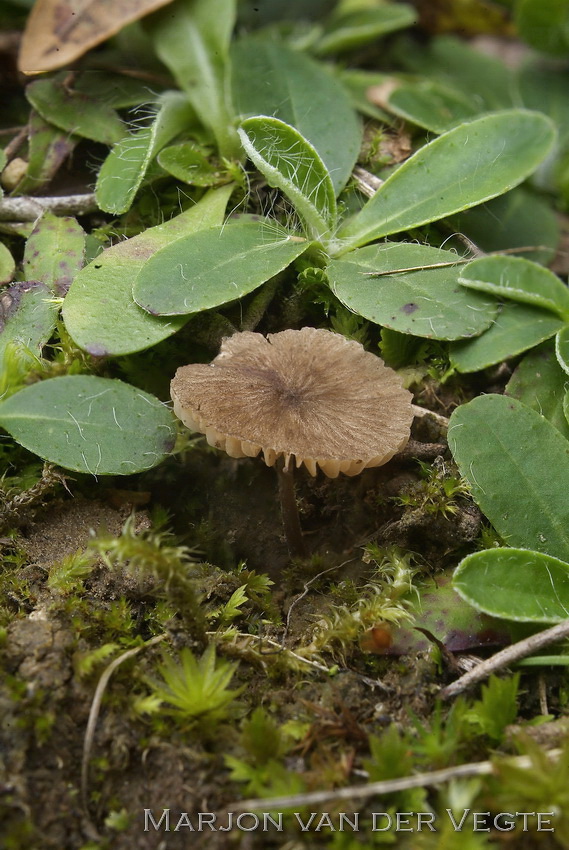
{"points": [[506, 657], [26, 208], [94, 712], [424, 413], [385, 786], [307, 585]]}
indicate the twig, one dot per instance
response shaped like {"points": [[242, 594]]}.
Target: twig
{"points": [[385, 786], [26, 208], [367, 183], [507, 656], [423, 412], [307, 585], [94, 712], [13, 146]]}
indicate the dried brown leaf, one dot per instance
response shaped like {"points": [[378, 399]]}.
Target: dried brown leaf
{"points": [[60, 31]]}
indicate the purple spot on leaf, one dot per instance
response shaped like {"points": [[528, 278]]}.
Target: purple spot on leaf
{"points": [[409, 308]]}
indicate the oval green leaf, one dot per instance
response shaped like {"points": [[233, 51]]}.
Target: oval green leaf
{"points": [[431, 105], [515, 584], [519, 280], [89, 424], [27, 319], [540, 382], [215, 266], [470, 164], [271, 79], [99, 311], [54, 252], [290, 163], [360, 26], [75, 112], [517, 465], [390, 284], [517, 328]]}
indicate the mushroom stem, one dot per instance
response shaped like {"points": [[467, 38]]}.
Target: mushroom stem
{"points": [[289, 510]]}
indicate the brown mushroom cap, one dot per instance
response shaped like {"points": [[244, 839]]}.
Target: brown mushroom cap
{"points": [[311, 394]]}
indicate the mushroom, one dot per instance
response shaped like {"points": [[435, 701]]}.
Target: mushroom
{"points": [[309, 396]]}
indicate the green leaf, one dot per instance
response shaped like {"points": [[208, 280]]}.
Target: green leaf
{"points": [[48, 148], [75, 112], [215, 266], [89, 424], [188, 162], [539, 381], [115, 90], [99, 311], [431, 105], [519, 219], [123, 170], [515, 584], [544, 26], [7, 264], [464, 167], [544, 88], [271, 79], [54, 252], [192, 39], [519, 280], [484, 79], [517, 465], [562, 349], [517, 328], [374, 283], [357, 82], [289, 162], [27, 319], [360, 26]]}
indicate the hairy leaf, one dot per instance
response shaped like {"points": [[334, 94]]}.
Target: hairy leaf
{"points": [[389, 285], [517, 465], [271, 79], [289, 162], [123, 170], [468, 165], [90, 424], [215, 266], [99, 311]]}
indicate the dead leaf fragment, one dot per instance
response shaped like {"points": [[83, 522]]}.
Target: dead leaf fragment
{"points": [[60, 31]]}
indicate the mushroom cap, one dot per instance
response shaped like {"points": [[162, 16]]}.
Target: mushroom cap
{"points": [[309, 394]]}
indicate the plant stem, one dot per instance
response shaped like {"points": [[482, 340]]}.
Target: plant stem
{"points": [[289, 509]]}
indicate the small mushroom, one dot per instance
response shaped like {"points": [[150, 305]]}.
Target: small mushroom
{"points": [[308, 397]]}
